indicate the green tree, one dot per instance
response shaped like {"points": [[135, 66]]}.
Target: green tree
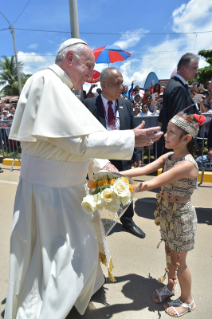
{"points": [[8, 76], [205, 74]]}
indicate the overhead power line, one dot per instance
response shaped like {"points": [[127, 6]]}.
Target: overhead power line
{"points": [[21, 12], [117, 33]]}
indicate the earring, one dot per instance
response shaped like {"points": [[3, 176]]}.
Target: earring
{"points": [[184, 142]]}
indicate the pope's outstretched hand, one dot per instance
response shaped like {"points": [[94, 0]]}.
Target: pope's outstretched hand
{"points": [[145, 137]]}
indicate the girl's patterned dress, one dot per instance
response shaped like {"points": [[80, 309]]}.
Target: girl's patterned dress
{"points": [[178, 222]]}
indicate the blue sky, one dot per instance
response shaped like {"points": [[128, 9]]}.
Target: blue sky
{"points": [[126, 21]]}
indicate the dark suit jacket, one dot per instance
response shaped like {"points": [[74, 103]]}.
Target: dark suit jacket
{"points": [[126, 117], [210, 136], [175, 99]]}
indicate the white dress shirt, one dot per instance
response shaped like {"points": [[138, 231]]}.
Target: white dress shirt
{"points": [[181, 78]]}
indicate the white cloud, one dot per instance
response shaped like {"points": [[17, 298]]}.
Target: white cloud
{"points": [[194, 16], [34, 62], [179, 10], [130, 38]]}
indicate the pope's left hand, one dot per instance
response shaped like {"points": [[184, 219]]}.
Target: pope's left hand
{"points": [[111, 168]]}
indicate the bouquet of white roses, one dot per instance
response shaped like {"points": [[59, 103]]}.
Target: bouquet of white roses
{"points": [[111, 194]]}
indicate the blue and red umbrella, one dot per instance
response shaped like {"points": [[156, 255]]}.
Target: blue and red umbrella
{"points": [[110, 54]]}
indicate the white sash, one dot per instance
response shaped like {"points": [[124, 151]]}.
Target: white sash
{"points": [[50, 173]]}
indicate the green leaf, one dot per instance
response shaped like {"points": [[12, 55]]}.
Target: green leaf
{"points": [[100, 189]]}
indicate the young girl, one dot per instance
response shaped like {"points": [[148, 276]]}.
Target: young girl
{"points": [[175, 212]]}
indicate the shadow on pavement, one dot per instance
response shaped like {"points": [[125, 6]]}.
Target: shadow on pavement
{"points": [[204, 215], [137, 289], [3, 303], [117, 228], [145, 207]]}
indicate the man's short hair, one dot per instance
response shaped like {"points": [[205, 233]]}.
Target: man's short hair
{"points": [[186, 60], [105, 74]]}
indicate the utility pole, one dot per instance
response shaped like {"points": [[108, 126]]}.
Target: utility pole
{"points": [[74, 19], [74, 28], [16, 59], [16, 56]]}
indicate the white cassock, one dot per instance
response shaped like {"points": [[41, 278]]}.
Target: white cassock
{"points": [[54, 262]]}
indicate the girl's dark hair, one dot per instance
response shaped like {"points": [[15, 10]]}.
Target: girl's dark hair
{"points": [[192, 145], [157, 84]]}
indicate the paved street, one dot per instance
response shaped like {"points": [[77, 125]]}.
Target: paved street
{"points": [[138, 263]]}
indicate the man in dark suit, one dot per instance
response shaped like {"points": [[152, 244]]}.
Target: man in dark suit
{"points": [[116, 113], [210, 141], [177, 96]]}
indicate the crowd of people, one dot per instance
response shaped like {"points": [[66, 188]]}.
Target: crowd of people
{"points": [[7, 109], [145, 102], [7, 112], [153, 97], [149, 101]]}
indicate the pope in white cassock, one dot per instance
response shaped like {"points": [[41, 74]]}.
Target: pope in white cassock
{"points": [[54, 262]]}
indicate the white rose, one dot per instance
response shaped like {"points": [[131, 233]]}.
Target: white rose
{"points": [[88, 204], [121, 188], [114, 206], [108, 195], [126, 199], [98, 200]]}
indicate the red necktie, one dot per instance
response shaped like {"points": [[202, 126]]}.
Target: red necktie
{"points": [[111, 117]]}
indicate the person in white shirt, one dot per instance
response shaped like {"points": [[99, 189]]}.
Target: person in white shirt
{"points": [[145, 110], [137, 109]]}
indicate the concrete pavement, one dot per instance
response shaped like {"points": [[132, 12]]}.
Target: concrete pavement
{"points": [[138, 263]]}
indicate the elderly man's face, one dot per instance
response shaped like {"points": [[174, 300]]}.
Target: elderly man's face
{"points": [[189, 72], [112, 87], [81, 68]]}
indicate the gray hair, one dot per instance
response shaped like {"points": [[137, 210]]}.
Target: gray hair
{"points": [[105, 74], [76, 48], [186, 60]]}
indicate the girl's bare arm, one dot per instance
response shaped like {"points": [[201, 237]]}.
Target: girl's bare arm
{"points": [[147, 169], [184, 169]]}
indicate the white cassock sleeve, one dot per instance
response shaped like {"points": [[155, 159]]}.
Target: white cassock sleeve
{"points": [[117, 145]]}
